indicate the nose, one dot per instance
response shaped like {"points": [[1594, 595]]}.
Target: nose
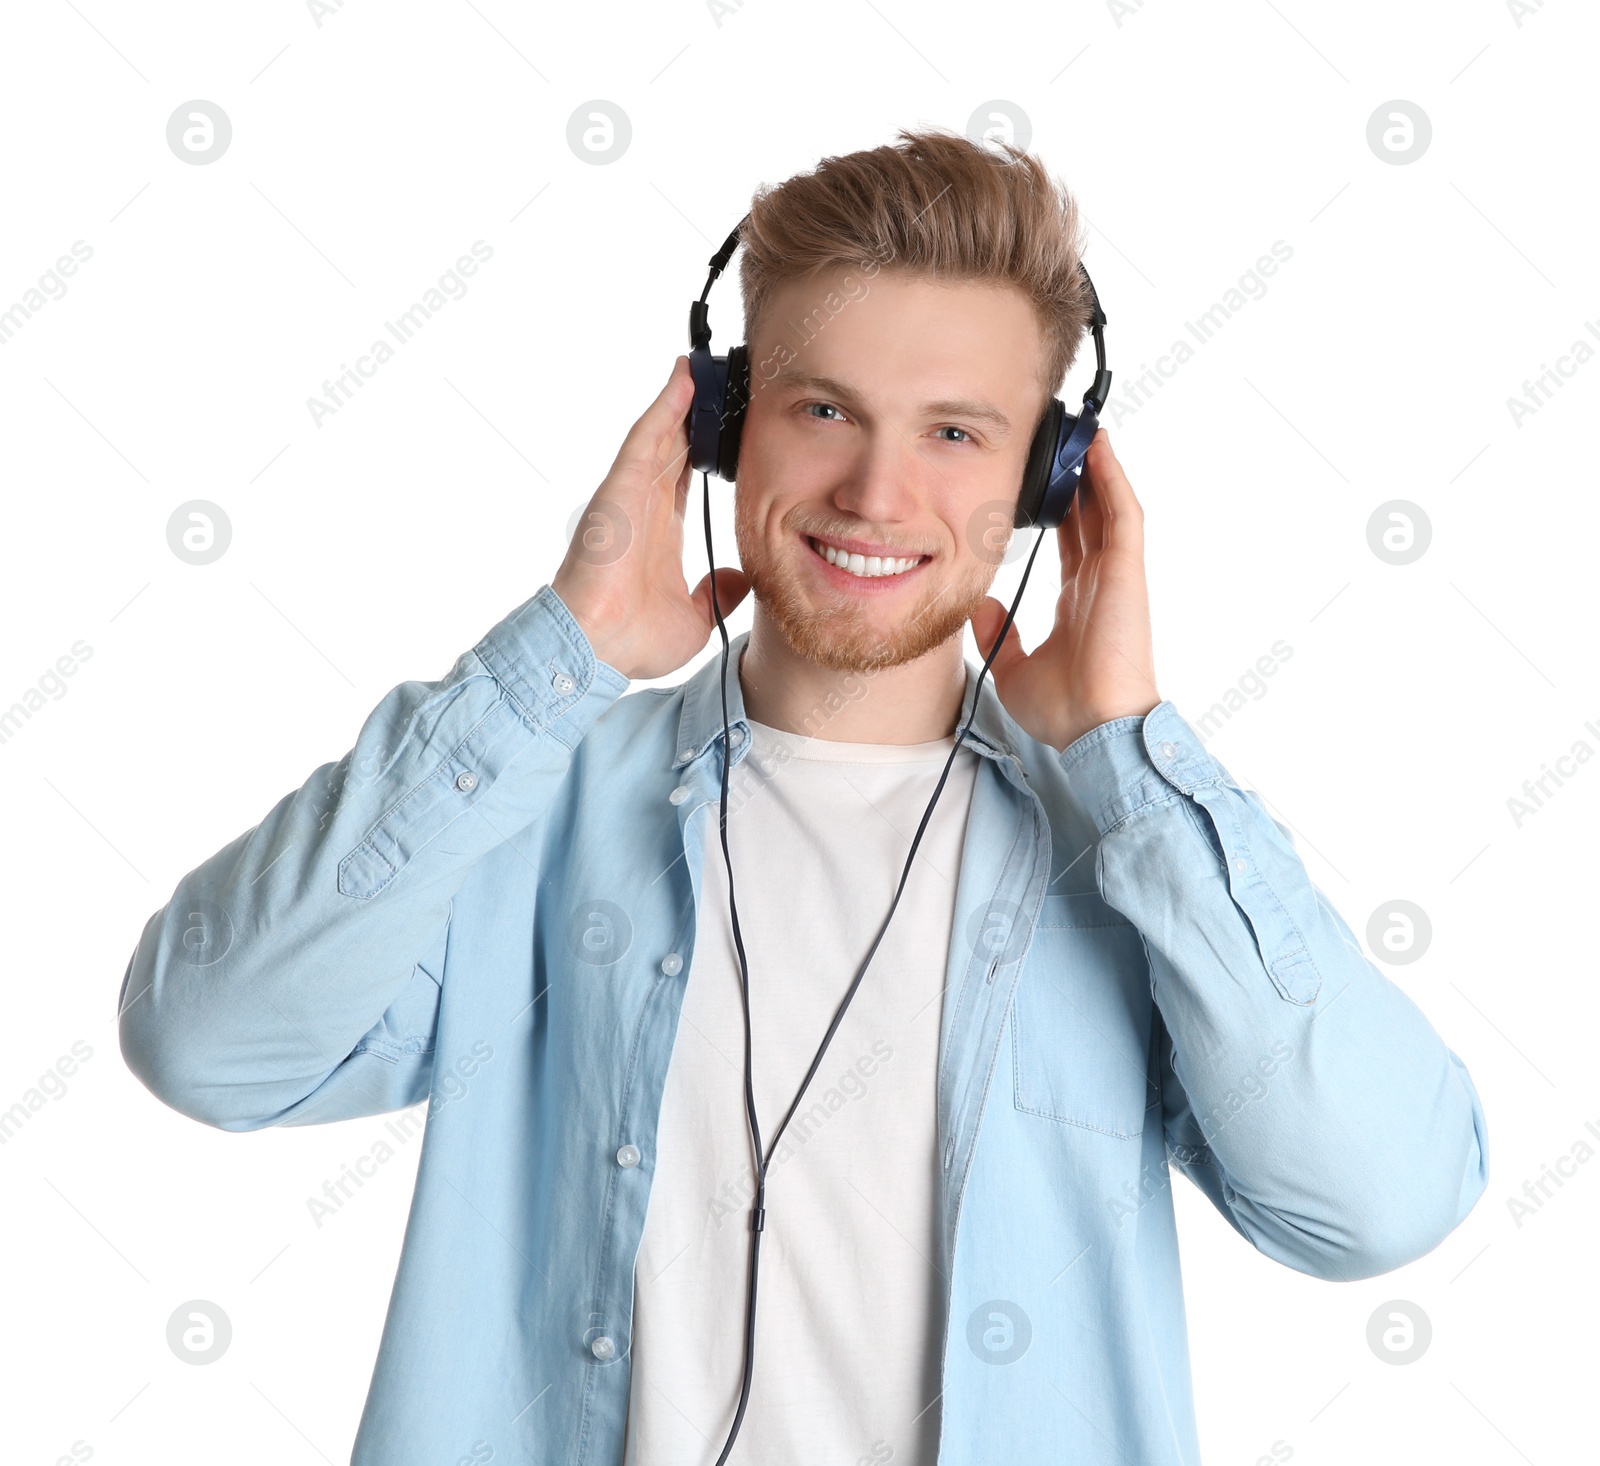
{"points": [[885, 482]]}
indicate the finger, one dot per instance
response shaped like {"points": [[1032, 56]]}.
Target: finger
{"points": [[660, 430], [732, 587], [1122, 513], [986, 623], [672, 451], [680, 490], [1069, 536], [1091, 506]]}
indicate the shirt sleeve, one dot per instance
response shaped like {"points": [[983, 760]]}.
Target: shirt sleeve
{"points": [[1302, 1091], [294, 977]]}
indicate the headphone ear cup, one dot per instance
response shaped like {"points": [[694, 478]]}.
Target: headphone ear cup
{"points": [[1066, 467], [735, 401], [704, 420], [1036, 473]]}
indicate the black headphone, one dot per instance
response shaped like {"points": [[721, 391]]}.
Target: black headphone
{"points": [[1049, 481], [722, 393]]}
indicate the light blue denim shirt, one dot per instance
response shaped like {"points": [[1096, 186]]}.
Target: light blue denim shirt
{"points": [[490, 903]]}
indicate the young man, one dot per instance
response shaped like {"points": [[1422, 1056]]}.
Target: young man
{"points": [[510, 896]]}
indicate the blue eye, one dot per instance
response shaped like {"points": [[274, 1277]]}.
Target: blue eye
{"points": [[950, 427], [830, 407]]}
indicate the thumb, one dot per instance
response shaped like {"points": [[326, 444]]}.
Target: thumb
{"points": [[986, 623], [662, 420]]}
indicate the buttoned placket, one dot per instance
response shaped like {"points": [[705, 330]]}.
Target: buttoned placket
{"points": [[698, 774]]}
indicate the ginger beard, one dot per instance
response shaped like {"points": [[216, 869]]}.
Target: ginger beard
{"points": [[845, 633]]}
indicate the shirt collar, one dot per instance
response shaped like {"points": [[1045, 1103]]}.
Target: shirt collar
{"points": [[993, 732]]}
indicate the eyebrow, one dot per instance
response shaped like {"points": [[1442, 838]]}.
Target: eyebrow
{"points": [[943, 407]]}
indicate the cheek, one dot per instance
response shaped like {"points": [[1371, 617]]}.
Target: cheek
{"points": [[758, 517], [981, 534]]}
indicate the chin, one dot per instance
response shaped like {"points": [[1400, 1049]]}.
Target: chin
{"points": [[861, 636]]}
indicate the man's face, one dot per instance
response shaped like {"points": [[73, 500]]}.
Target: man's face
{"points": [[895, 430]]}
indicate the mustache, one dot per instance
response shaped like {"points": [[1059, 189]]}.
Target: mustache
{"points": [[860, 532]]}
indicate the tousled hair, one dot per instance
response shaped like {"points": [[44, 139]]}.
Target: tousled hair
{"points": [[934, 205]]}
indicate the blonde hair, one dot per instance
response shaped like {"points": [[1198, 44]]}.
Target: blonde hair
{"points": [[935, 205]]}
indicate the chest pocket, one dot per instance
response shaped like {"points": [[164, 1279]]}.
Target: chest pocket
{"points": [[1081, 1019]]}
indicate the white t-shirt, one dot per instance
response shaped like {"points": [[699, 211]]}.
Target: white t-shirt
{"points": [[848, 1325]]}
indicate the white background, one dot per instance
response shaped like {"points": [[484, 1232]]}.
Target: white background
{"points": [[372, 150]]}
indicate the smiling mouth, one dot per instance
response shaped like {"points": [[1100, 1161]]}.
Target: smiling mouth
{"points": [[865, 567]]}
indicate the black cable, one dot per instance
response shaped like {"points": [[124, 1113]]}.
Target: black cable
{"points": [[758, 1213]]}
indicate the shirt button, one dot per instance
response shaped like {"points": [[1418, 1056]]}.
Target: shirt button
{"points": [[679, 794], [603, 1347], [685, 754], [1169, 750], [737, 736], [672, 964], [562, 683], [628, 1155], [466, 783], [1239, 864]]}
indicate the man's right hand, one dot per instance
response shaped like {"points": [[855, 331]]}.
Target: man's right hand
{"points": [[622, 578]]}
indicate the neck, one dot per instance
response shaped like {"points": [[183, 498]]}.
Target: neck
{"points": [[915, 702]]}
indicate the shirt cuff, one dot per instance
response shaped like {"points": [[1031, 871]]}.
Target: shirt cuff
{"points": [[547, 666], [1124, 765]]}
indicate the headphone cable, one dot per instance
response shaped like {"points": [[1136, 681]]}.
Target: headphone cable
{"points": [[758, 1211]]}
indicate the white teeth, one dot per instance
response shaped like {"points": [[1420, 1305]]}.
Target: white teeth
{"points": [[865, 566]]}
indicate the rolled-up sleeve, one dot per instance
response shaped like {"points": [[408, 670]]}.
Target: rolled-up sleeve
{"points": [[1302, 1091]]}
